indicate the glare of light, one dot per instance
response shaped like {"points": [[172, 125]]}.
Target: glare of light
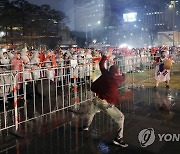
{"points": [[170, 6], [2, 34], [124, 36], [130, 17], [94, 41], [4, 50], [89, 25], [99, 22], [131, 34], [142, 29], [124, 45], [135, 25], [149, 47]]}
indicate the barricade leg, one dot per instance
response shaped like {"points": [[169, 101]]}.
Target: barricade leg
{"points": [[15, 132]]}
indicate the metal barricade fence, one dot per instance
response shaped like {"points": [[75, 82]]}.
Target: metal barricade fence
{"points": [[136, 69], [64, 87], [6, 93], [47, 95]]}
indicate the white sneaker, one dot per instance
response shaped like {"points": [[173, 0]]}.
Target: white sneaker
{"points": [[86, 128], [120, 142]]}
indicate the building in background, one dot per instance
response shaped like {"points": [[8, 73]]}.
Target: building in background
{"points": [[90, 17], [142, 25]]}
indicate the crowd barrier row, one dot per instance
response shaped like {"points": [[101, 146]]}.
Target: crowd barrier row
{"points": [[49, 90]]}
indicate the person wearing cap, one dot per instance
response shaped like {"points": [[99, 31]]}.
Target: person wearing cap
{"points": [[106, 91]]}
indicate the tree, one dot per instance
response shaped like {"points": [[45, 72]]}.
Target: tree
{"points": [[8, 17], [31, 19]]}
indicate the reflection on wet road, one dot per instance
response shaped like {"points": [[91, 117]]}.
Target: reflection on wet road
{"points": [[61, 132]]}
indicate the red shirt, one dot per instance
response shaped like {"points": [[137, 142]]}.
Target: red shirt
{"points": [[106, 86]]}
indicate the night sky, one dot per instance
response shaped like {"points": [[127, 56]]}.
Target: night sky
{"points": [[62, 5]]}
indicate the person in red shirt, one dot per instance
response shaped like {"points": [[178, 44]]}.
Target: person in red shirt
{"points": [[106, 91]]}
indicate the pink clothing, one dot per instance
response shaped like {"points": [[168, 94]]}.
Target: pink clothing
{"points": [[17, 64]]}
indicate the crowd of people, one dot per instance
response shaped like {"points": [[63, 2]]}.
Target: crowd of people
{"points": [[31, 62]]}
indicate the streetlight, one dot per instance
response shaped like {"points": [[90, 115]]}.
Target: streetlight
{"points": [[131, 39], [172, 6], [2, 34], [142, 29], [91, 26]]}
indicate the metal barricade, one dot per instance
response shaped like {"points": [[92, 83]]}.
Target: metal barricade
{"points": [[53, 89], [59, 89], [6, 93], [136, 69]]}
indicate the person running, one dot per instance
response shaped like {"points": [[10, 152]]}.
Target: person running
{"points": [[106, 91]]}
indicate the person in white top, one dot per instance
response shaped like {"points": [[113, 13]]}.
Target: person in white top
{"points": [[35, 63], [5, 61], [27, 68]]}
